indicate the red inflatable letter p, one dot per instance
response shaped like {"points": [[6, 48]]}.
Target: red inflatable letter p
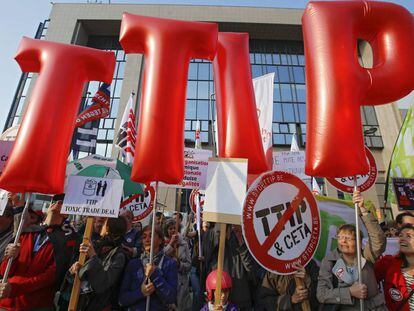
{"points": [[37, 162], [337, 85]]}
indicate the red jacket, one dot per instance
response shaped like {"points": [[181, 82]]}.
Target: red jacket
{"points": [[388, 269], [32, 276]]}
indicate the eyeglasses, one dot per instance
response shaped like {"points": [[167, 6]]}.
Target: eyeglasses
{"points": [[346, 238]]}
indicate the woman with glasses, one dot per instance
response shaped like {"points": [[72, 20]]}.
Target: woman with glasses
{"points": [[338, 286], [397, 272]]}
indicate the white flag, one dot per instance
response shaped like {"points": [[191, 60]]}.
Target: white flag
{"points": [[197, 136], [315, 187], [294, 145], [263, 91], [127, 132]]}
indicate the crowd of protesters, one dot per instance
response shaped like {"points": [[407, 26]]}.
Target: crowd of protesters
{"points": [[118, 275]]}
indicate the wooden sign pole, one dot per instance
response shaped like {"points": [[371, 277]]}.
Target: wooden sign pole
{"points": [[220, 261], [74, 297], [305, 304]]}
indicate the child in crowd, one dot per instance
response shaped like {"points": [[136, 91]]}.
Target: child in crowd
{"points": [[226, 284]]}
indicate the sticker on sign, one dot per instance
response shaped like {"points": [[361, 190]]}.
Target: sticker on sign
{"points": [[140, 205], [364, 182], [92, 196], [281, 222]]}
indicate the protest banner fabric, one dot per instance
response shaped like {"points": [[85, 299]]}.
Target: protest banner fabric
{"points": [[5, 149], [292, 162], [404, 192], [263, 92], [92, 196], [127, 134]]}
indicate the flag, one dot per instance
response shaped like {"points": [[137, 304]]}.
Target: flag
{"points": [[294, 145], [197, 136], [99, 108], [263, 91], [315, 187], [87, 122], [127, 132], [402, 159]]}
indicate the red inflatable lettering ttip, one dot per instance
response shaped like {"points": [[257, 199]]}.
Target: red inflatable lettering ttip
{"points": [[38, 160], [168, 46], [238, 126], [337, 86]]}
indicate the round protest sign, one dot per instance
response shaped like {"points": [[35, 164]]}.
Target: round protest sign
{"points": [[281, 222], [192, 198], [364, 182], [140, 205]]}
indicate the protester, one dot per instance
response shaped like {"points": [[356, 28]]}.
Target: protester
{"points": [[39, 262], [226, 285], [338, 275], [137, 226], [280, 292], [397, 272], [159, 219], [101, 274], [177, 248], [132, 238], [6, 229], [178, 217], [404, 218], [141, 279]]}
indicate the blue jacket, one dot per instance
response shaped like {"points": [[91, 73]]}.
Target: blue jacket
{"points": [[229, 307], [164, 278]]}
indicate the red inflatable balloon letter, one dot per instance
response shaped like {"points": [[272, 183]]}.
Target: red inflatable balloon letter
{"points": [[37, 162], [337, 85], [168, 46], [238, 125]]}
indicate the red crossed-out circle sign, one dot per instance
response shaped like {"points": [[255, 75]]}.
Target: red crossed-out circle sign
{"points": [[140, 205], [192, 199], [364, 182], [281, 222]]}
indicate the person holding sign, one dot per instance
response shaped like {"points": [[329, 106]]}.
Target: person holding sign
{"points": [[101, 273], [142, 279], [397, 272], [280, 292], [338, 275]]}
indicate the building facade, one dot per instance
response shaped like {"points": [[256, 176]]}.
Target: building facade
{"points": [[276, 45]]}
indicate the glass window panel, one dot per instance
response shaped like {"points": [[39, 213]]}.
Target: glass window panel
{"points": [[187, 125], [202, 90], [294, 59], [118, 88], [299, 74], [120, 55], [100, 149], [26, 87], [279, 139], [108, 150], [271, 69], [277, 113], [101, 123], [189, 136], [101, 134], [110, 134], [93, 87], [288, 115], [370, 115], [203, 71], [301, 59], [202, 110], [268, 58], [192, 89], [303, 128], [251, 58], [292, 127], [109, 123], [192, 71], [276, 93], [377, 141], [284, 128], [211, 85], [258, 58], [303, 139], [257, 71], [20, 105], [121, 70], [301, 92], [276, 59], [286, 92], [114, 107], [283, 73], [204, 137], [283, 59], [210, 70], [288, 138], [364, 121], [302, 113], [194, 125], [275, 128], [190, 110], [204, 125]]}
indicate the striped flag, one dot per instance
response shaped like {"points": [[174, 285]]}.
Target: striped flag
{"points": [[197, 136], [87, 122], [127, 132]]}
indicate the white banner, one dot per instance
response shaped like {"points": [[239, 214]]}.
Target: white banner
{"points": [[263, 91], [195, 169], [93, 196], [3, 200], [290, 161], [5, 149]]}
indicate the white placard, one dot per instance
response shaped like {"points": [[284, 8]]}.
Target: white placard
{"points": [[292, 162], [226, 189], [3, 200], [92, 196], [195, 169], [5, 149]]}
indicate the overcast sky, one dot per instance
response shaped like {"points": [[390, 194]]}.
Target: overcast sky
{"points": [[21, 18]]}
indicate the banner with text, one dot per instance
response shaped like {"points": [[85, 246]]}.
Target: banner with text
{"points": [[92, 196]]}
